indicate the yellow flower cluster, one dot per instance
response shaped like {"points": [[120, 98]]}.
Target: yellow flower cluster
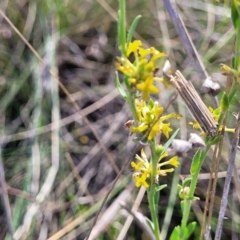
{"points": [[143, 169], [215, 114], [140, 79], [149, 117], [141, 73]]}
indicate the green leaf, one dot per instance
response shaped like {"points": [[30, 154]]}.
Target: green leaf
{"points": [[175, 233], [160, 150], [186, 182], [189, 230], [159, 188], [140, 140], [235, 13], [182, 203], [168, 143], [196, 162], [122, 26], [156, 199], [150, 223], [224, 102], [132, 28], [150, 103], [236, 24], [214, 140], [179, 187], [120, 88]]}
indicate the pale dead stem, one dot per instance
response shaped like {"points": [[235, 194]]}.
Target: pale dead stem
{"points": [[134, 208]]}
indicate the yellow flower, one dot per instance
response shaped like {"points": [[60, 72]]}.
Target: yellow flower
{"points": [[173, 161], [126, 67], [148, 113], [149, 119], [164, 80], [143, 169], [133, 47], [215, 114], [156, 54], [165, 127], [147, 87], [195, 125], [154, 130], [140, 72], [141, 180]]}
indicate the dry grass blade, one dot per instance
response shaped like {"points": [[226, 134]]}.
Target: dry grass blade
{"points": [[109, 215], [185, 39], [141, 220], [129, 220]]}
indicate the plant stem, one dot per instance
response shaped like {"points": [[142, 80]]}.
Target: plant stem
{"points": [[199, 156], [131, 102], [151, 193], [171, 202], [236, 63], [122, 26]]}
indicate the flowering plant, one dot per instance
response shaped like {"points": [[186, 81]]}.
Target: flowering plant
{"points": [[138, 66]]}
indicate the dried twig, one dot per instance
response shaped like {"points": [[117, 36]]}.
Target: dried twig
{"points": [[228, 180], [185, 39], [195, 104], [191, 50]]}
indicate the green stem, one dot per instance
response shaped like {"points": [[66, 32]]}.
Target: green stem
{"points": [[151, 194], [237, 50], [199, 156], [122, 26], [131, 102], [171, 203]]}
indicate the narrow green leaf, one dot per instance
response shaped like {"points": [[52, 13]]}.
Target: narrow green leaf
{"points": [[159, 188], [150, 223], [168, 143], [196, 162], [235, 13], [214, 140], [179, 187], [122, 26], [132, 28], [120, 88], [189, 230], [150, 103], [182, 204], [186, 182], [156, 199], [224, 102], [236, 23], [175, 233]]}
